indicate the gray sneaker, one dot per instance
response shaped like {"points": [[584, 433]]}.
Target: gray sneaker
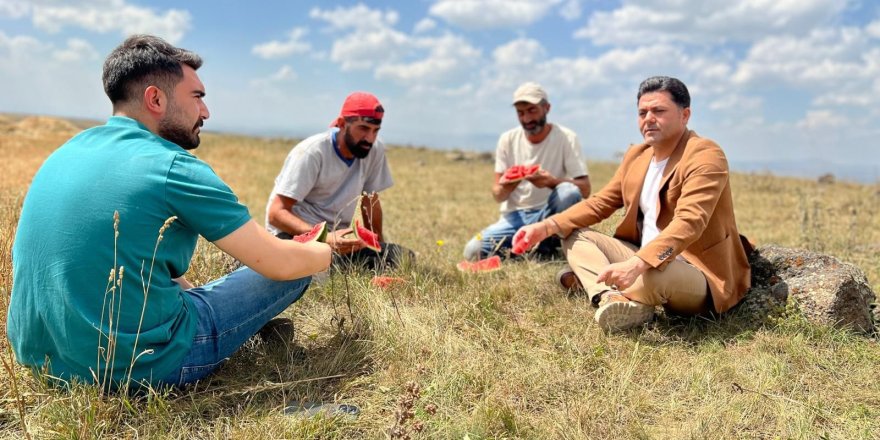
{"points": [[617, 312]]}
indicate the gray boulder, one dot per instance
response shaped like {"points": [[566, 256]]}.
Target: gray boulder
{"points": [[825, 290]]}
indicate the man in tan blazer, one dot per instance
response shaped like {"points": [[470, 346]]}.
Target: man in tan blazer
{"points": [[677, 245]]}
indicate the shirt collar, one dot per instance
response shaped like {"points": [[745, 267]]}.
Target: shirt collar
{"points": [[333, 134]]}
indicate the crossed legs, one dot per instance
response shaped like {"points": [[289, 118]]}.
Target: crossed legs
{"points": [[680, 288]]}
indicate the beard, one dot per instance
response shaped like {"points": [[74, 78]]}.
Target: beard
{"points": [[172, 128], [360, 149], [535, 127]]}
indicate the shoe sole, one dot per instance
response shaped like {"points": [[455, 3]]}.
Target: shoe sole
{"points": [[621, 315]]}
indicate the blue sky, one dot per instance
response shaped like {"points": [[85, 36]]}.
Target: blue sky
{"points": [[792, 85]]}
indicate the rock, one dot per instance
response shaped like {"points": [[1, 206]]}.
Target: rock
{"points": [[826, 179], [825, 290]]}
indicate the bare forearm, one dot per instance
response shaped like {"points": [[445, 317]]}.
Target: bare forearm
{"points": [[289, 222], [274, 258]]}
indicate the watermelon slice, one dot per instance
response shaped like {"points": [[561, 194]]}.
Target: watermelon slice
{"points": [[520, 172], [520, 245], [366, 236], [318, 232], [384, 282], [490, 264]]}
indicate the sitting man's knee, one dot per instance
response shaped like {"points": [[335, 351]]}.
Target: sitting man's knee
{"points": [[472, 249], [567, 194]]}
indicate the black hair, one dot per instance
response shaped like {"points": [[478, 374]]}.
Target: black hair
{"points": [[674, 86], [141, 61]]}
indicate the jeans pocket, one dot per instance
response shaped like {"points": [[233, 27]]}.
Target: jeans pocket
{"points": [[194, 373]]}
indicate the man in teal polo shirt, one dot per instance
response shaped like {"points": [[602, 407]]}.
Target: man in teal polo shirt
{"points": [[109, 226]]}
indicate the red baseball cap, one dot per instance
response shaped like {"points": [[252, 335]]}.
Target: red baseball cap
{"points": [[362, 104]]}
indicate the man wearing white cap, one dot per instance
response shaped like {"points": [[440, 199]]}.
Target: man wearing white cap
{"points": [[561, 181]]}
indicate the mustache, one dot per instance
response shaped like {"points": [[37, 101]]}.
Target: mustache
{"points": [[365, 144]]}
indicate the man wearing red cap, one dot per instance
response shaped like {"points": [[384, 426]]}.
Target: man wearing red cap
{"points": [[325, 176]]}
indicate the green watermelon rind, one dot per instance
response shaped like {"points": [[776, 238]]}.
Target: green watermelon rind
{"points": [[320, 236]]}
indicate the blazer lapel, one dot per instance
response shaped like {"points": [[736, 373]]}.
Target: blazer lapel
{"points": [[674, 158], [635, 178]]}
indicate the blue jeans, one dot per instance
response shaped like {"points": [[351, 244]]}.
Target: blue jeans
{"points": [[498, 237], [231, 309]]}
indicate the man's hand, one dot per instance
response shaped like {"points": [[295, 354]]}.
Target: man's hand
{"points": [[622, 275], [503, 181], [529, 236], [344, 245], [543, 179]]}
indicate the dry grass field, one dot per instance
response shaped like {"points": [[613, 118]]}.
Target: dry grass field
{"points": [[500, 355]]}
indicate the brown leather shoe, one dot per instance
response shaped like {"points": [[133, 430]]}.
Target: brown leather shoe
{"points": [[568, 280]]}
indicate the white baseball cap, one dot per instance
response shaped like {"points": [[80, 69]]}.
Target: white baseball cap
{"points": [[530, 92]]}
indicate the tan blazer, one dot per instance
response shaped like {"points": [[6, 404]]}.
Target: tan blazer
{"points": [[696, 217]]}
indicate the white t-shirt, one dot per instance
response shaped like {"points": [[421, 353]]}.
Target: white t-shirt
{"points": [[559, 153], [324, 186], [649, 201]]}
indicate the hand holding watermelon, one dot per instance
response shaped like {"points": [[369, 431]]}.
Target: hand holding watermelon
{"points": [[520, 244], [528, 236], [517, 173], [344, 241]]}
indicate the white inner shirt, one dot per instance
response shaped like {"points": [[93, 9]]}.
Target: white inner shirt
{"points": [[649, 201]]}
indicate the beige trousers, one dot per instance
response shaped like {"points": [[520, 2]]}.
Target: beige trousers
{"points": [[680, 288]]}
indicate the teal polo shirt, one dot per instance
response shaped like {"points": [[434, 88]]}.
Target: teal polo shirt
{"points": [[63, 306]]}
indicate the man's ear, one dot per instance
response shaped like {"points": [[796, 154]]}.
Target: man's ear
{"points": [[686, 115], [340, 123], [155, 101]]}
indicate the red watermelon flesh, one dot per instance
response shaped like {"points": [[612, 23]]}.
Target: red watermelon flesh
{"points": [[519, 172], [490, 264], [520, 246], [384, 282], [318, 232], [367, 237]]}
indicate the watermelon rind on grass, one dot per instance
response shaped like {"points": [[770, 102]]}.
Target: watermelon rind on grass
{"points": [[490, 264]]}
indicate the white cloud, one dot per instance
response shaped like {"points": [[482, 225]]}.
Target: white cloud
{"points": [[826, 58], [369, 40], [358, 17], [14, 8], [76, 50], [483, 14], [424, 25], [449, 56], [105, 16], [873, 29], [519, 52], [822, 119], [280, 49], [706, 21], [34, 67], [15, 47], [285, 73], [571, 10]]}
